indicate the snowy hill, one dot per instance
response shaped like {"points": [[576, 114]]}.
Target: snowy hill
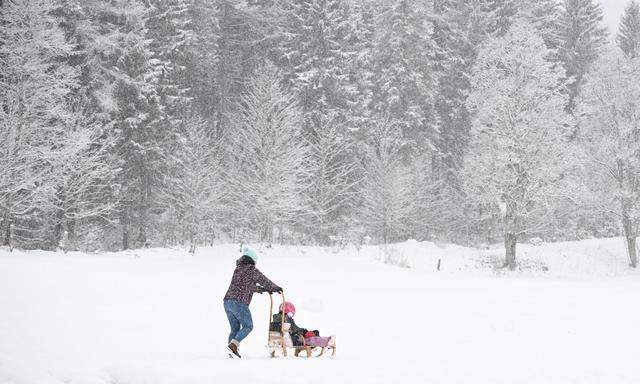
{"points": [[155, 316]]}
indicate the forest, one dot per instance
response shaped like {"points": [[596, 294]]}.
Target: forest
{"points": [[156, 123]]}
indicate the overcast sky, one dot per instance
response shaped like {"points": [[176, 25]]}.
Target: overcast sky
{"points": [[613, 10]]}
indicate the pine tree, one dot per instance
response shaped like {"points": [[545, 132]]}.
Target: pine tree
{"points": [[404, 78], [388, 193], [333, 182], [268, 157], [501, 15], [206, 58], [133, 104], [545, 16], [196, 191], [318, 59], [581, 38], [362, 67], [232, 40], [171, 33], [629, 33], [609, 111], [453, 60], [517, 153]]}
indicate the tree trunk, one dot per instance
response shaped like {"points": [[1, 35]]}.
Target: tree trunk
{"points": [[4, 229], [510, 241], [631, 248], [510, 237], [125, 231], [192, 243], [630, 235]]}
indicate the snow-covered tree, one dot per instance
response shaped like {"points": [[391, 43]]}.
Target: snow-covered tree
{"points": [[269, 158], [517, 152], [333, 182], [388, 194], [35, 83], [609, 112], [404, 77], [232, 38], [196, 191], [317, 57], [581, 38], [170, 30], [83, 180], [135, 110], [545, 16], [629, 33]]}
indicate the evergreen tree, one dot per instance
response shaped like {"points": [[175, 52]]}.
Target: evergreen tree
{"points": [[318, 58], [171, 33], [333, 182], [268, 157], [629, 34], [131, 77], [388, 193], [206, 56], [581, 37], [233, 39], [196, 191], [404, 76], [362, 67], [545, 16], [453, 60], [518, 150]]}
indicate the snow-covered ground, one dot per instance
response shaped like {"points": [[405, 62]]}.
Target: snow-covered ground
{"points": [[155, 316]]}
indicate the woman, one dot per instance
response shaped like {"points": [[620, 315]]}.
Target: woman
{"points": [[246, 280]]}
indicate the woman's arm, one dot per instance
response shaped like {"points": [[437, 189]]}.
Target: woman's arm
{"points": [[264, 282]]}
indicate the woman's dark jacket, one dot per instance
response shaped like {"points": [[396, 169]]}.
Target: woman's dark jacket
{"points": [[245, 280]]}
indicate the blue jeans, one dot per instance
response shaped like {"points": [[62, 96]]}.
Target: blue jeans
{"points": [[239, 319]]}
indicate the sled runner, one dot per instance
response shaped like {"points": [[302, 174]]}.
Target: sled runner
{"points": [[279, 342]]}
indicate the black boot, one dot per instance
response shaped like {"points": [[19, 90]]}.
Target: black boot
{"points": [[233, 350]]}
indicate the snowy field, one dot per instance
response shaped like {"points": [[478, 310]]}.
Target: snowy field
{"points": [[155, 316]]}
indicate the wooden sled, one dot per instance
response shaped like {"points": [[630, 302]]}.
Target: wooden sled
{"points": [[281, 341]]}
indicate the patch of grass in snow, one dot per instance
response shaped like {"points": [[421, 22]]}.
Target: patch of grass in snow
{"points": [[495, 261], [390, 255]]}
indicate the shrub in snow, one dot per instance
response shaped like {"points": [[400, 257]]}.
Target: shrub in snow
{"points": [[391, 255], [536, 241]]}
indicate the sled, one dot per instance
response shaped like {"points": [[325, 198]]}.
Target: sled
{"points": [[281, 341]]}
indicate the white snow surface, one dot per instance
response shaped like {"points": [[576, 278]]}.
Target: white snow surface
{"points": [[155, 316]]}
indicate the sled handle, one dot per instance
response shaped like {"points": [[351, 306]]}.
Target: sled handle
{"points": [[271, 310], [270, 316], [284, 348]]}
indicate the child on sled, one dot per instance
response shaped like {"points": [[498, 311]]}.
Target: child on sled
{"points": [[299, 337]]}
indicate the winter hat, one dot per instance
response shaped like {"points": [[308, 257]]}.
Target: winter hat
{"points": [[288, 308], [247, 251]]}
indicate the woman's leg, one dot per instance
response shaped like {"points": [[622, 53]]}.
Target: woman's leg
{"points": [[234, 323], [244, 316]]}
